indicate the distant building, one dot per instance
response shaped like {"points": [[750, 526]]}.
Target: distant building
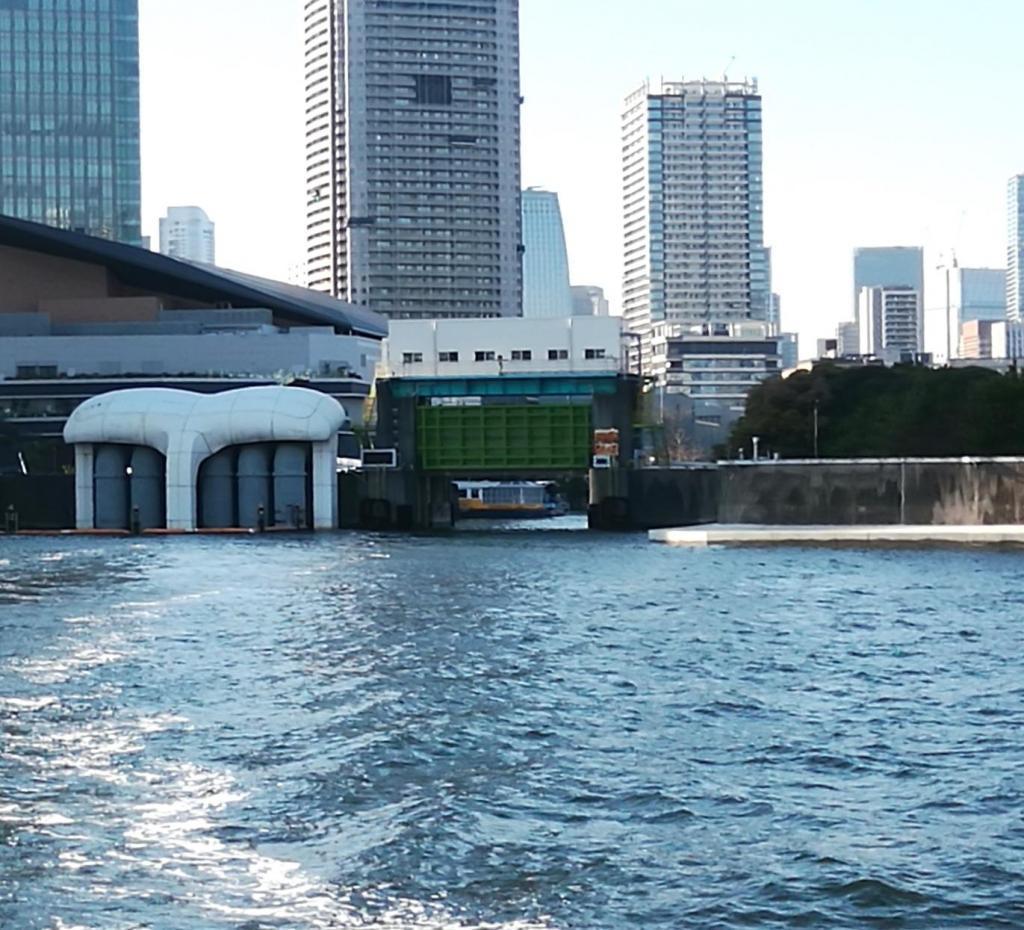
{"points": [[976, 294], [1015, 249], [890, 322], [717, 366], [775, 313], [694, 247], [412, 155], [789, 350], [983, 339], [847, 339], [188, 233], [588, 300], [827, 348], [546, 291], [69, 116], [468, 348], [889, 266]]}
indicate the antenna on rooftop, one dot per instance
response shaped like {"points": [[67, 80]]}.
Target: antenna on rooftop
{"points": [[725, 70]]}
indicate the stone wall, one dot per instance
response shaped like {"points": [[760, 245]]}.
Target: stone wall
{"points": [[882, 491]]}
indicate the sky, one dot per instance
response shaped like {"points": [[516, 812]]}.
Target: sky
{"points": [[887, 122]]}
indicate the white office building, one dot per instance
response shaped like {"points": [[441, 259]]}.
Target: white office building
{"points": [[507, 347], [546, 290], [412, 155], [695, 262], [188, 233], [890, 322]]}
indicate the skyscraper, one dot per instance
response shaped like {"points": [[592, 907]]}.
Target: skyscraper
{"points": [[1015, 250], [69, 115], [187, 232], [888, 266], [695, 262], [412, 142], [546, 291]]}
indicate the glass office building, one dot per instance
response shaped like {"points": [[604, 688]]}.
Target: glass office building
{"points": [[69, 115], [546, 290]]}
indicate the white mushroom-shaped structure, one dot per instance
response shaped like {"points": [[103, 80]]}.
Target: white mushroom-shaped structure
{"points": [[188, 428]]}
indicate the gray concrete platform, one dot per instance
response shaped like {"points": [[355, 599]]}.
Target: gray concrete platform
{"points": [[718, 534]]}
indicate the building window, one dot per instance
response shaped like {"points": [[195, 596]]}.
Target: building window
{"points": [[447, 356], [411, 358], [434, 89], [557, 355], [485, 356], [593, 353], [522, 355]]}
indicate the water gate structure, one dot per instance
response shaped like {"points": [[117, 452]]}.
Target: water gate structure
{"points": [[447, 429]]}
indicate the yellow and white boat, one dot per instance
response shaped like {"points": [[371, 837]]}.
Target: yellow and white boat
{"points": [[517, 500]]}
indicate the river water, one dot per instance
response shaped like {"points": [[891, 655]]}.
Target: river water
{"points": [[516, 730]]}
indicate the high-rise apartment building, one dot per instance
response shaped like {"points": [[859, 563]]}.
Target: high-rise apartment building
{"points": [[69, 115], [1015, 250], [887, 266], [187, 232], [695, 261], [890, 321], [546, 290], [412, 155]]}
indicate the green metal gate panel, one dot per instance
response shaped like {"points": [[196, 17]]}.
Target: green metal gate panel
{"points": [[504, 438]]}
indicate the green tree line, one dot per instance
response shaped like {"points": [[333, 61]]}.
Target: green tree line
{"points": [[884, 412]]}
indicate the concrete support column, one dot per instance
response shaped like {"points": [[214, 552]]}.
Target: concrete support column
{"points": [[85, 516], [182, 475], [325, 484]]}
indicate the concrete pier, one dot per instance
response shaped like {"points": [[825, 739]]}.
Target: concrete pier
{"points": [[718, 534]]}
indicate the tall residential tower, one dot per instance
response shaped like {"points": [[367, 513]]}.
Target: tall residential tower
{"points": [[412, 155], [69, 115], [187, 232], [1015, 250], [695, 262]]}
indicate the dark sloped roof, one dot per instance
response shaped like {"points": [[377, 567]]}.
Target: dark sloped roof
{"points": [[150, 271]]}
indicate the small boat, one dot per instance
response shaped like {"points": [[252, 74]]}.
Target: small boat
{"points": [[517, 500]]}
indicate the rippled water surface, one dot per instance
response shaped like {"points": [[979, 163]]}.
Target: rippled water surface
{"points": [[509, 730]]}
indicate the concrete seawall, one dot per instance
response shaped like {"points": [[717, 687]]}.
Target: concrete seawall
{"points": [[841, 492], [951, 492]]}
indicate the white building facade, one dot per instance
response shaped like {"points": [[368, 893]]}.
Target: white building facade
{"points": [[188, 233], [546, 289], [464, 348], [412, 155], [890, 321], [695, 262]]}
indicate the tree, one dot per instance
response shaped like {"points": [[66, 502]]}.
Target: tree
{"points": [[872, 411]]}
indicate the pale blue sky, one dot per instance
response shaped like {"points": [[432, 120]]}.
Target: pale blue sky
{"points": [[886, 122]]}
